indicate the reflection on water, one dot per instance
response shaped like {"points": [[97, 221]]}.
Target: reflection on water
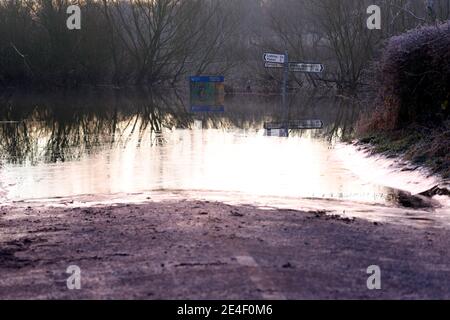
{"points": [[99, 143]]}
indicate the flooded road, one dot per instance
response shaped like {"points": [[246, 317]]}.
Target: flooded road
{"points": [[69, 146], [209, 160], [153, 201]]}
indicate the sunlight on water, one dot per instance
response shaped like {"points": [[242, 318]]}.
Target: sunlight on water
{"points": [[212, 159]]}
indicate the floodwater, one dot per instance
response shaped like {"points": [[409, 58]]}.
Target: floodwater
{"points": [[97, 143]]}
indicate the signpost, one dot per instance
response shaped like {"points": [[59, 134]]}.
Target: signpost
{"points": [[275, 60], [274, 57], [273, 65], [306, 67], [285, 83]]}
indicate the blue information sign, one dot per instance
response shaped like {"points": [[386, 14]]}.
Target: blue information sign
{"points": [[207, 79], [207, 93]]}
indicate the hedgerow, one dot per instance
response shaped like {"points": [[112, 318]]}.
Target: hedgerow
{"points": [[413, 81]]}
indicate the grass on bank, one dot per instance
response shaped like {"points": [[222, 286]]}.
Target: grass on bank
{"points": [[419, 145]]}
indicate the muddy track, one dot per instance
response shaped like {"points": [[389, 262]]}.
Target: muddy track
{"points": [[210, 250]]}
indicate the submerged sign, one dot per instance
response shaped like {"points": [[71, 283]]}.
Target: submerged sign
{"points": [[207, 109], [294, 124], [207, 93], [207, 79]]}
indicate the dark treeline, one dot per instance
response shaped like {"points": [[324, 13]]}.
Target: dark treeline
{"points": [[120, 42], [148, 42]]}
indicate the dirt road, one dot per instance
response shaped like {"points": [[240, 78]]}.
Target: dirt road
{"points": [[210, 250]]}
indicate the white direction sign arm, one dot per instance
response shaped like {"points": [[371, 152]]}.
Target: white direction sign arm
{"points": [[273, 57], [306, 67]]}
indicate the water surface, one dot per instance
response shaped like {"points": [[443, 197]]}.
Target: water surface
{"points": [[74, 144]]}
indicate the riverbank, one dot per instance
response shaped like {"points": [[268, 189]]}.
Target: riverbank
{"points": [[419, 145], [192, 249]]}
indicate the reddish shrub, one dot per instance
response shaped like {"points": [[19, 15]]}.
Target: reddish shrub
{"points": [[413, 80]]}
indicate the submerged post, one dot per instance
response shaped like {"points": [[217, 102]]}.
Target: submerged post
{"points": [[284, 92]]}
